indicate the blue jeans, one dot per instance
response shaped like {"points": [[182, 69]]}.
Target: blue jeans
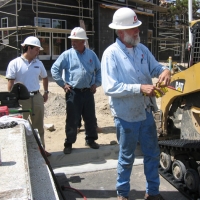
{"points": [[128, 134]]}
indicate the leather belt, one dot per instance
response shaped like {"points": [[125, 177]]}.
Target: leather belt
{"points": [[81, 89], [35, 92]]}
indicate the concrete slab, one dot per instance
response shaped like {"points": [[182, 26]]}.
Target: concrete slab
{"points": [[92, 167], [87, 155], [23, 171], [91, 174], [100, 185], [43, 186], [14, 170]]}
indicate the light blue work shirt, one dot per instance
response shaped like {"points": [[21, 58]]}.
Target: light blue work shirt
{"points": [[81, 70], [122, 76]]}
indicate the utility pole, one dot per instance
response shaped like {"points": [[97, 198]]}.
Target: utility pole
{"points": [[190, 18], [17, 38]]}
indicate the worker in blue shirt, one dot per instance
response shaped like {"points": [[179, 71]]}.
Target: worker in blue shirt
{"points": [[127, 70], [81, 70]]}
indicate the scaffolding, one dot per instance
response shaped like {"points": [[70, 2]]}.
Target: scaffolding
{"points": [[168, 35], [160, 38], [36, 8]]}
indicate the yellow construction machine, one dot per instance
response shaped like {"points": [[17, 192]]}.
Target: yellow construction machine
{"points": [[179, 119]]}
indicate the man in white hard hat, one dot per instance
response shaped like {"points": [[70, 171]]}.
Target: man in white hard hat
{"points": [[82, 72], [27, 69], [127, 70]]}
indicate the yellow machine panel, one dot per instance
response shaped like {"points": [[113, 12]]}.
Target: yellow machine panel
{"points": [[178, 124]]}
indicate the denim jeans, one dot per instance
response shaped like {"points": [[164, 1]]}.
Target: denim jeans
{"points": [[128, 135], [80, 104]]}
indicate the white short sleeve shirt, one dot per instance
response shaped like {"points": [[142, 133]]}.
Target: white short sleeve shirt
{"points": [[26, 73]]}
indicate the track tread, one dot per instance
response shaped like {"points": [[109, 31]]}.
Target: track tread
{"points": [[192, 144], [181, 187], [184, 145]]}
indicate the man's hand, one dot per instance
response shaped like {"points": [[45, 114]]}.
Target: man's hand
{"points": [[93, 88], [164, 78], [45, 97], [149, 90], [67, 88]]}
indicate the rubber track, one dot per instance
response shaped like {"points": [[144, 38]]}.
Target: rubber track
{"points": [[181, 187], [180, 143], [184, 145]]}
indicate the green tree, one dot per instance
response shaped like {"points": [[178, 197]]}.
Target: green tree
{"points": [[178, 12]]}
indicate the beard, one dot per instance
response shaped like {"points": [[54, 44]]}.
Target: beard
{"points": [[130, 40]]}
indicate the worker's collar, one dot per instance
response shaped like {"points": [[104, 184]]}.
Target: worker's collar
{"points": [[22, 56], [125, 49], [122, 45], [79, 51]]}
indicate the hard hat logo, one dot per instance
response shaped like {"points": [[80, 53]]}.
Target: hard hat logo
{"points": [[78, 33], [124, 18], [135, 18], [33, 41]]}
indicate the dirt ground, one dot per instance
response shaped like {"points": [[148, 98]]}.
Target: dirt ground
{"points": [[55, 114]]}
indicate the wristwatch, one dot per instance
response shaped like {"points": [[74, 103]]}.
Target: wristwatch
{"points": [[46, 91]]}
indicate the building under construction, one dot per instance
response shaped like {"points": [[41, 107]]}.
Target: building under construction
{"points": [[52, 21]]}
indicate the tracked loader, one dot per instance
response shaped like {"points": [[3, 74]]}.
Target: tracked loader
{"points": [[178, 124]]}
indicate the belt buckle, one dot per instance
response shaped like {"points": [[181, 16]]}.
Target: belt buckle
{"points": [[31, 94], [34, 92]]}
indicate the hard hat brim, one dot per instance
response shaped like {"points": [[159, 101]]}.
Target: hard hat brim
{"points": [[78, 38], [32, 45], [120, 27]]}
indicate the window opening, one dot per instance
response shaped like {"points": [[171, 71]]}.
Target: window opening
{"points": [[5, 33], [59, 42], [44, 37], [177, 51]]}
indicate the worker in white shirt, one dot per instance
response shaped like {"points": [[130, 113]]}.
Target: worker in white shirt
{"points": [[27, 69]]}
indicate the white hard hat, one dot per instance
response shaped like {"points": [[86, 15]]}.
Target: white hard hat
{"points": [[31, 40], [78, 33], [124, 18]]}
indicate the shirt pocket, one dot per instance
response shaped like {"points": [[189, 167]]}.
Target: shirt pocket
{"points": [[36, 70], [90, 66], [145, 67], [144, 61]]}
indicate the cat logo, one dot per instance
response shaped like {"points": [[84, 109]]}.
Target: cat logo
{"points": [[179, 86]]}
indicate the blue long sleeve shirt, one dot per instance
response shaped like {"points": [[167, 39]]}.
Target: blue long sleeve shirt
{"points": [[80, 70], [122, 76]]}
